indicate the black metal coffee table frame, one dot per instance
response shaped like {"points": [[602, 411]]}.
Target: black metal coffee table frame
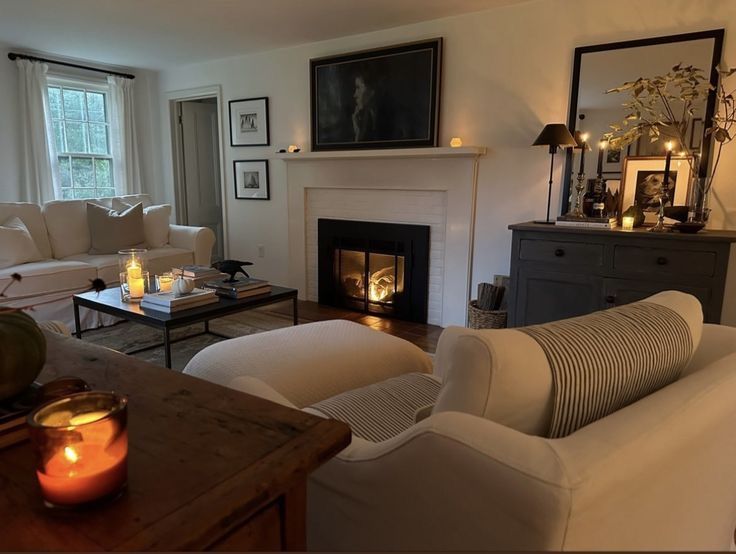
{"points": [[109, 302]]}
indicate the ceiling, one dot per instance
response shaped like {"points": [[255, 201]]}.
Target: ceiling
{"points": [[157, 33]]}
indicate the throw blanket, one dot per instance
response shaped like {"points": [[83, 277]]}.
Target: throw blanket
{"points": [[607, 360]]}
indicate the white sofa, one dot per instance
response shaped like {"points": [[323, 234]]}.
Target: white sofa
{"points": [[61, 234], [657, 474]]}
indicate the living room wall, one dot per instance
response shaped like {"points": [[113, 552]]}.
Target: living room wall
{"points": [[506, 73], [147, 129]]}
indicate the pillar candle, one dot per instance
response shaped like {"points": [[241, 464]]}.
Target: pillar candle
{"points": [[583, 148]]}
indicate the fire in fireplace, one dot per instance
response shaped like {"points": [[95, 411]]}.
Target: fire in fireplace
{"points": [[380, 268]]}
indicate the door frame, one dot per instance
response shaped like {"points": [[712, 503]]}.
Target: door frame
{"points": [[173, 98]]}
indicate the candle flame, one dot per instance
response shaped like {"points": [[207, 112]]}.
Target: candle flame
{"points": [[669, 145], [71, 454], [584, 137], [603, 144]]}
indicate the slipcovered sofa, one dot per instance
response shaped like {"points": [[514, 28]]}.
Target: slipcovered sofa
{"points": [[476, 469], [60, 232]]}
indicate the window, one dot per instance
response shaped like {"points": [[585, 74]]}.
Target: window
{"points": [[81, 122]]}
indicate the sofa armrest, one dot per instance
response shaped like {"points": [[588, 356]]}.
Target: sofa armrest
{"points": [[308, 363], [199, 240]]}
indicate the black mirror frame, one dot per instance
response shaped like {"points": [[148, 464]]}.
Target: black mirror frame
{"points": [[716, 34]]}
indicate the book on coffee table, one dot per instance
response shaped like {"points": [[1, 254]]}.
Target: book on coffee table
{"points": [[168, 302], [241, 288]]}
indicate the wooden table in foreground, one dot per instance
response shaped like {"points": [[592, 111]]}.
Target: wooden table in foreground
{"points": [[209, 468]]}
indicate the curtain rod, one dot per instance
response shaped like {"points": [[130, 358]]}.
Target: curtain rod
{"points": [[14, 56]]}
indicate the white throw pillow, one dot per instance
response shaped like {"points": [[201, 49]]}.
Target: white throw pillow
{"points": [[16, 244], [155, 222]]}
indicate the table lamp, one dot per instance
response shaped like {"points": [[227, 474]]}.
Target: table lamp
{"points": [[554, 135]]}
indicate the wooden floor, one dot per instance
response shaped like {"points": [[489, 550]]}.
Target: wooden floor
{"points": [[425, 336]]}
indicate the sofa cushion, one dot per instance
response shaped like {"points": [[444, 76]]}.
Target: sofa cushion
{"points": [[155, 222], [66, 221], [158, 261], [505, 375], [382, 410], [111, 231], [16, 243], [47, 277], [32, 218]]}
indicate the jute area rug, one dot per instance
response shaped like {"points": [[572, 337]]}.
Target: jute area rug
{"points": [[126, 336]]}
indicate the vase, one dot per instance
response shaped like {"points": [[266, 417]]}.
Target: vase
{"points": [[698, 210]]}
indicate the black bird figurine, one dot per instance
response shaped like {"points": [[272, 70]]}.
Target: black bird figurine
{"points": [[231, 267]]}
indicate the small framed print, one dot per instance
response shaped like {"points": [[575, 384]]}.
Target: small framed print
{"points": [[249, 122], [251, 180], [643, 182]]}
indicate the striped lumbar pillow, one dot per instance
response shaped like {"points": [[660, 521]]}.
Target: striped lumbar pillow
{"points": [[383, 410], [607, 360]]}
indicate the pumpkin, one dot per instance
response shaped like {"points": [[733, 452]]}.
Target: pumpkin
{"points": [[22, 352]]}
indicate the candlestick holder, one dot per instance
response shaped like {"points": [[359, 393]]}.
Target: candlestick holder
{"points": [[660, 226], [81, 445], [133, 274]]}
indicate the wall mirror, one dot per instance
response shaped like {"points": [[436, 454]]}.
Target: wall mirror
{"points": [[602, 67]]}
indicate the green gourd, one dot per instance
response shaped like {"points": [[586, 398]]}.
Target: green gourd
{"points": [[22, 352]]}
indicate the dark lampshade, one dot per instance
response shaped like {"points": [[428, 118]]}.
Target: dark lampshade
{"points": [[555, 134]]}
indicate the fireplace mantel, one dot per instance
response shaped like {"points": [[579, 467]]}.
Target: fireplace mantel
{"points": [[396, 153]]}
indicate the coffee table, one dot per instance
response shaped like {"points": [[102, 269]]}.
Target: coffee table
{"points": [[209, 468], [108, 301]]}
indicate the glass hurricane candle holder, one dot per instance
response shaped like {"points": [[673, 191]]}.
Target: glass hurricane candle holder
{"points": [[133, 274], [165, 280], [81, 444]]}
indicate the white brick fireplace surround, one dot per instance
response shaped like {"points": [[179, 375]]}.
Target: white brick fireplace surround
{"points": [[428, 186]]}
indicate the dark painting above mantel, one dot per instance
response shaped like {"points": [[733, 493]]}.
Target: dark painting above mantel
{"points": [[602, 67], [382, 98]]}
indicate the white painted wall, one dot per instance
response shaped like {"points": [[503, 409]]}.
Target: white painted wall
{"points": [[506, 73], [147, 126]]}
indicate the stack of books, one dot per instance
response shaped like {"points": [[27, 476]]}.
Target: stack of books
{"points": [[198, 273], [167, 302], [13, 414], [241, 288], [589, 222]]}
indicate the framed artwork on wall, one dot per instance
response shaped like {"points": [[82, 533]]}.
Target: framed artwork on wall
{"points": [[643, 180], [382, 98], [251, 180], [249, 122]]}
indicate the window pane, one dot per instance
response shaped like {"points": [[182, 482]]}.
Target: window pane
{"points": [[73, 104], [84, 193], [55, 102], [82, 175], [102, 193], [96, 106], [98, 138], [59, 135], [67, 194], [103, 173], [76, 137], [65, 171]]}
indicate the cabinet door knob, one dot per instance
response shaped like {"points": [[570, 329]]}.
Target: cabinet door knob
{"points": [[610, 299], [559, 252], [661, 260]]}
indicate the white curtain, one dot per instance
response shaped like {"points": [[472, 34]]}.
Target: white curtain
{"points": [[40, 165], [126, 168]]}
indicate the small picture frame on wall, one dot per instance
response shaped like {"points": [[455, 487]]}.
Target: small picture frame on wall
{"points": [[643, 180], [249, 122], [251, 180]]}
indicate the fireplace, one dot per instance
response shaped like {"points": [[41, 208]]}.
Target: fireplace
{"points": [[378, 268]]}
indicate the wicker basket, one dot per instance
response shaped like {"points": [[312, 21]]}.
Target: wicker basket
{"points": [[485, 319]]}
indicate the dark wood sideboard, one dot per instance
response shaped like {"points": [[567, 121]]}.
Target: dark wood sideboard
{"points": [[560, 272], [209, 468]]}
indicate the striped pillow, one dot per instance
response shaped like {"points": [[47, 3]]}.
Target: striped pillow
{"points": [[382, 410], [605, 361]]}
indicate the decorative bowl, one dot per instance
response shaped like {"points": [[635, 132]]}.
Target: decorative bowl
{"points": [[689, 227]]}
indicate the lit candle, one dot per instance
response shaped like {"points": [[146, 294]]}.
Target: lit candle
{"points": [[135, 280], [134, 270], [627, 223], [667, 162], [164, 282], [456, 142], [583, 148], [602, 145], [82, 446], [293, 148]]}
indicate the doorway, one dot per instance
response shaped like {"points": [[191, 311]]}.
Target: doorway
{"points": [[197, 163]]}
